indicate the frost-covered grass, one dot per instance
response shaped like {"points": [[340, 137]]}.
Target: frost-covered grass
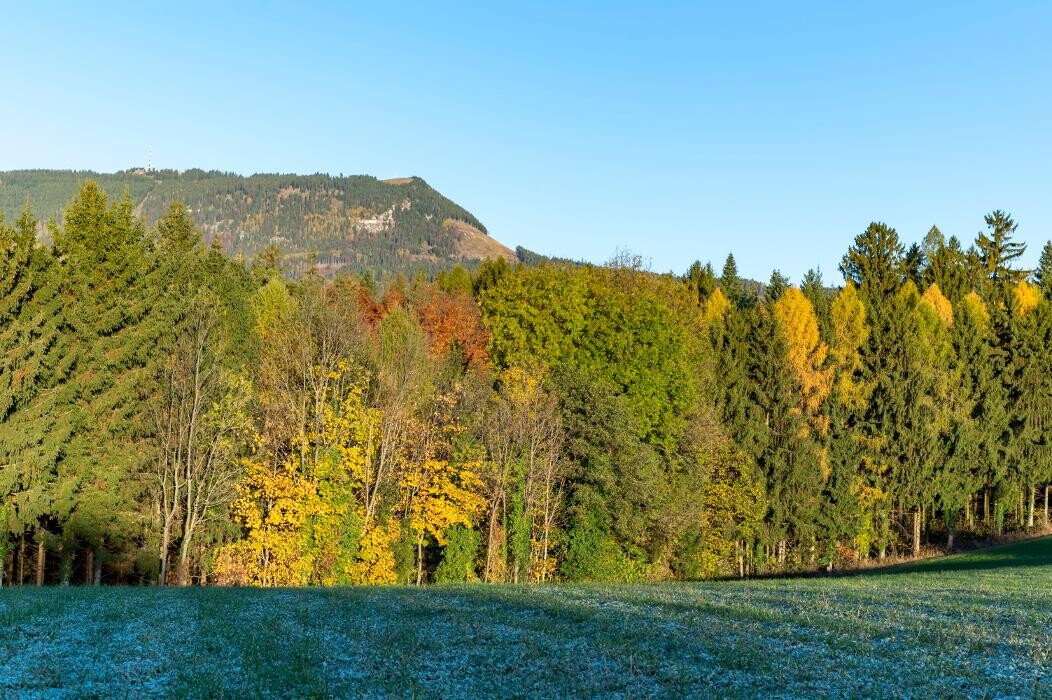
{"points": [[975, 625]]}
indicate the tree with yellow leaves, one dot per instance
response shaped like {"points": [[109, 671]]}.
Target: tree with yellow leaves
{"points": [[849, 334], [806, 351], [274, 506], [851, 502], [439, 495]]}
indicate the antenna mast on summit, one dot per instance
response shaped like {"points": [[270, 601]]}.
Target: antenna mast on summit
{"points": [[149, 159]]}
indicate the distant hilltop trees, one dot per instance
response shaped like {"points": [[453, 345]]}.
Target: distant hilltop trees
{"points": [[354, 223]]}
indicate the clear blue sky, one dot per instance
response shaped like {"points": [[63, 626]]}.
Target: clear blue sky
{"points": [[777, 130]]}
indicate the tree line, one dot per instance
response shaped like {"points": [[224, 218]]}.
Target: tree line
{"points": [[170, 415]]}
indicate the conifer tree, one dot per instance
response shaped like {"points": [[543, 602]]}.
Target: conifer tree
{"points": [[33, 410], [814, 289], [776, 287], [702, 280], [848, 508], [1043, 273], [997, 250], [730, 283], [105, 254], [874, 263], [946, 265], [785, 449]]}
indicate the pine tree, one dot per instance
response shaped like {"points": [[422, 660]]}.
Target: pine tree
{"points": [[785, 449], [104, 247], [1031, 398], [1043, 273], [776, 287], [946, 265], [33, 364], [702, 280], [874, 263], [730, 283], [914, 263], [814, 289], [997, 250], [936, 369], [962, 475]]}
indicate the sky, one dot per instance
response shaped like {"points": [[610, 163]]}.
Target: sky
{"points": [[776, 131]]}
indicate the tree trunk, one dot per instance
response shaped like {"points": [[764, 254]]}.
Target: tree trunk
{"points": [[96, 576], [420, 560], [986, 506], [490, 544], [22, 560], [917, 533], [1046, 503], [166, 535], [89, 565], [41, 561], [968, 512], [1030, 514], [65, 564]]}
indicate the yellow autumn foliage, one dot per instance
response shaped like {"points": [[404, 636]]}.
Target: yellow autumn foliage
{"points": [[273, 506], [849, 333], [934, 299], [806, 349], [716, 306], [1027, 297], [375, 564], [443, 494], [974, 306]]}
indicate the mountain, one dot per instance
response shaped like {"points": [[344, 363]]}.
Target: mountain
{"points": [[356, 222]]}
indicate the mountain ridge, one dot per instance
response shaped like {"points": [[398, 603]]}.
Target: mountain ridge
{"points": [[331, 223]]}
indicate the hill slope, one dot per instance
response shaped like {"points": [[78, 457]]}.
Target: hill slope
{"points": [[967, 626], [357, 222]]}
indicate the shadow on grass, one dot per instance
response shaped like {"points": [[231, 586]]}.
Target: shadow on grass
{"points": [[1029, 553]]}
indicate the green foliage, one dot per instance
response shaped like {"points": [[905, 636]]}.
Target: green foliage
{"points": [[1043, 273], [997, 249], [459, 556], [776, 287]]}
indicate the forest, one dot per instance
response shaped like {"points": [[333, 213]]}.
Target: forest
{"points": [[172, 415]]}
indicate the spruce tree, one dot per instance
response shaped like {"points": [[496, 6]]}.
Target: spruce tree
{"points": [[786, 451], [33, 363], [776, 287], [997, 250], [874, 263], [112, 343], [1043, 273], [730, 283], [814, 289], [702, 280]]}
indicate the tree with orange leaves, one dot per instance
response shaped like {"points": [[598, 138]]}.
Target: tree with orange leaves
{"points": [[453, 323]]}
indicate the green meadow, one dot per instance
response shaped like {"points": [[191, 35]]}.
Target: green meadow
{"points": [[976, 625]]}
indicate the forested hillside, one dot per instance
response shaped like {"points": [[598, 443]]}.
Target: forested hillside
{"points": [[172, 414], [357, 223]]}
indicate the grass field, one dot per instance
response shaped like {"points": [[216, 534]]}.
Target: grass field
{"points": [[972, 625]]}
